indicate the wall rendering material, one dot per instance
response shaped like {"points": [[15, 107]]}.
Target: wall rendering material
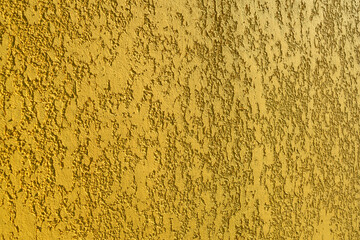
{"points": [[180, 119]]}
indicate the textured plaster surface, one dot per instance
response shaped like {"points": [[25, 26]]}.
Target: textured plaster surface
{"points": [[179, 119]]}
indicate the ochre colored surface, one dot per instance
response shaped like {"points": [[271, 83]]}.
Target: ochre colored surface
{"points": [[179, 119]]}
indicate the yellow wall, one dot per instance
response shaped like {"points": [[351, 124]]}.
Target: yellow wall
{"points": [[179, 119]]}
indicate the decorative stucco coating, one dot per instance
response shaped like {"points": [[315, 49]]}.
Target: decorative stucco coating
{"points": [[179, 119]]}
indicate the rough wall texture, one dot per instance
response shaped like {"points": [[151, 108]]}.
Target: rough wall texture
{"points": [[179, 119]]}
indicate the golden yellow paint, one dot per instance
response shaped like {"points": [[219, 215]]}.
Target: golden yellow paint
{"points": [[179, 119]]}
